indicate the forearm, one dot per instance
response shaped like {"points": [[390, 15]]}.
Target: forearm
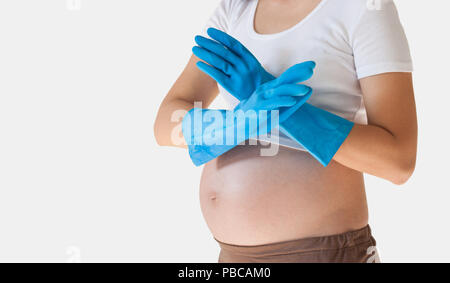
{"points": [[168, 124], [376, 151], [211, 133]]}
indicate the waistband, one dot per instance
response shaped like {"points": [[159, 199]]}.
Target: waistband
{"points": [[317, 244]]}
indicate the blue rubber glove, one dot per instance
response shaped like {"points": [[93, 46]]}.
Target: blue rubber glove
{"points": [[230, 63], [239, 77], [211, 133]]}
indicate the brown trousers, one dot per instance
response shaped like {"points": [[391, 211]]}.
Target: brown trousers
{"points": [[352, 247]]}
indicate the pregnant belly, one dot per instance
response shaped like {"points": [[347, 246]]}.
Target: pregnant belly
{"points": [[248, 199]]}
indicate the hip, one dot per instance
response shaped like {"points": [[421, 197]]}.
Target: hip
{"points": [[357, 246]]}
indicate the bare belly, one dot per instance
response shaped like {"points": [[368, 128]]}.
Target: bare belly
{"points": [[251, 200]]}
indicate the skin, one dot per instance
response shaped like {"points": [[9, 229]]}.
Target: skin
{"points": [[251, 200]]}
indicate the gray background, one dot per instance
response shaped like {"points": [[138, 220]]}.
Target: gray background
{"points": [[81, 178]]}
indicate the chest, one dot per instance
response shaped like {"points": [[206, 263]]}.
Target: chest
{"points": [[272, 17]]}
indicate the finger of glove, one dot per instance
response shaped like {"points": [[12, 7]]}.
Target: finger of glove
{"points": [[295, 74], [219, 50], [216, 74], [287, 90], [213, 60], [287, 112], [279, 102], [232, 44], [304, 98]]}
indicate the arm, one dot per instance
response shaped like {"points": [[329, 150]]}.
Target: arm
{"points": [[211, 133], [320, 132], [192, 86], [387, 146]]}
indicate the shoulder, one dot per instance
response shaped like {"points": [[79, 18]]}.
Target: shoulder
{"points": [[349, 9], [238, 7], [231, 11], [356, 8], [353, 13], [239, 3], [360, 5]]}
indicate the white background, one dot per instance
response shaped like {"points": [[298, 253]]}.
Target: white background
{"points": [[81, 177]]}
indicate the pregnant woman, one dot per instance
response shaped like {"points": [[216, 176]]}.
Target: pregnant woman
{"points": [[289, 207]]}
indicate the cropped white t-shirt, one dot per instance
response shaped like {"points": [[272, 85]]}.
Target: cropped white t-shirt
{"points": [[348, 39]]}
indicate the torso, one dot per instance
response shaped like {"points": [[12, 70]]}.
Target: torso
{"points": [[248, 199]]}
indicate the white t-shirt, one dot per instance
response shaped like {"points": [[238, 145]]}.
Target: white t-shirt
{"points": [[348, 39]]}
